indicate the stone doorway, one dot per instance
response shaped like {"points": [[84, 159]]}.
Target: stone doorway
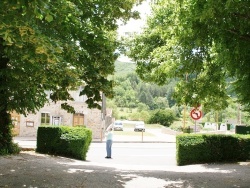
{"points": [[78, 119]]}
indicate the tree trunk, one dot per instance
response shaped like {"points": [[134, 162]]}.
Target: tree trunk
{"points": [[5, 120]]}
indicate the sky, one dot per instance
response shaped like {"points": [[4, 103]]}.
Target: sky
{"points": [[135, 25]]}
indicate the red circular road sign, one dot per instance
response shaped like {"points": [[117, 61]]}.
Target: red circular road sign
{"points": [[195, 114]]}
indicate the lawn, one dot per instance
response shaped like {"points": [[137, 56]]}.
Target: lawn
{"points": [[131, 131], [149, 126]]}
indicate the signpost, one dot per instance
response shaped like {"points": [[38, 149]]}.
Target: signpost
{"points": [[195, 115]]}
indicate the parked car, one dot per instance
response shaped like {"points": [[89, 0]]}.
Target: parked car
{"points": [[118, 126], [140, 126]]}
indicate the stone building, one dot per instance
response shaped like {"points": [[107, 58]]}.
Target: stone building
{"points": [[52, 114]]}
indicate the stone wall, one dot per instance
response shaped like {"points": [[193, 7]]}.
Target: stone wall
{"points": [[92, 118]]}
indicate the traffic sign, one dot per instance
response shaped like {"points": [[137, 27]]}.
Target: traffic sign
{"points": [[195, 114]]}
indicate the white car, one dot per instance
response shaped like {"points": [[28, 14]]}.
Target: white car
{"points": [[140, 126], [118, 126]]}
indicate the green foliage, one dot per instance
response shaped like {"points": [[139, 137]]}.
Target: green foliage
{"points": [[63, 140], [11, 148], [200, 42], [242, 129], [176, 126], [161, 103], [131, 92], [206, 148], [123, 68], [6, 143], [78, 141], [48, 138], [142, 106], [163, 117], [187, 129], [140, 116], [48, 48]]}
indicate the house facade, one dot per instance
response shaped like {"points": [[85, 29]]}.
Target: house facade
{"points": [[52, 114]]}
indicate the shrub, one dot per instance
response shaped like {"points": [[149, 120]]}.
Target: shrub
{"points": [[163, 117], [204, 148], [7, 146], [12, 148], [63, 140], [139, 116]]}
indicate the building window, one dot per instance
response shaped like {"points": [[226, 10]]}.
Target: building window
{"points": [[45, 119]]}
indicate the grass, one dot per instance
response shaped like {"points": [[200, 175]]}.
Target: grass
{"points": [[132, 133], [126, 112], [149, 126]]}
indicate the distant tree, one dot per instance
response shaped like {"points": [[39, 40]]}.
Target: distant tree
{"points": [[176, 110], [160, 103], [133, 78], [111, 105], [164, 117], [119, 91], [140, 116], [142, 107], [131, 99], [145, 97]]}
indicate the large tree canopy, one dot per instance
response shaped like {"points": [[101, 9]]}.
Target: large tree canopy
{"points": [[201, 42], [56, 45]]}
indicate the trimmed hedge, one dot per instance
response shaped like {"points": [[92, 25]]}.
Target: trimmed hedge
{"points": [[63, 140], [209, 148], [239, 129]]}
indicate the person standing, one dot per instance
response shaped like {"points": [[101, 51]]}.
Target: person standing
{"points": [[109, 142]]}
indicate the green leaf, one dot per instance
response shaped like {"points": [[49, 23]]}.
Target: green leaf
{"points": [[49, 18]]}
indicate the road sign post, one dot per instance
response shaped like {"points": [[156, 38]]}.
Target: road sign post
{"points": [[195, 115]]}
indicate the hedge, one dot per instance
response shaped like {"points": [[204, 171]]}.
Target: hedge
{"points": [[63, 140], [209, 148]]}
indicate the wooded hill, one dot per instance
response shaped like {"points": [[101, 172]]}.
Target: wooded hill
{"points": [[132, 93]]}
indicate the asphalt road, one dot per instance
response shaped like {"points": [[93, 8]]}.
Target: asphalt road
{"points": [[135, 155], [134, 165]]}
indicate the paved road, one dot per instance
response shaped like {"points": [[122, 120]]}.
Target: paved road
{"points": [[134, 165], [147, 155], [29, 169], [134, 155]]}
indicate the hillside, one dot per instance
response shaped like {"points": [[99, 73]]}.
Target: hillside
{"points": [[123, 68]]}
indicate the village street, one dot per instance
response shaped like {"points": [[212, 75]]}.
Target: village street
{"points": [[149, 164], [134, 165]]}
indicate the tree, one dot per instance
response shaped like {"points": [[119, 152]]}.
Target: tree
{"points": [[160, 103], [55, 46], [201, 42], [164, 117]]}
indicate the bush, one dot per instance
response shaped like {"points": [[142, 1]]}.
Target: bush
{"points": [[12, 148], [206, 148], [7, 146], [176, 126], [63, 140], [139, 116], [163, 117]]}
